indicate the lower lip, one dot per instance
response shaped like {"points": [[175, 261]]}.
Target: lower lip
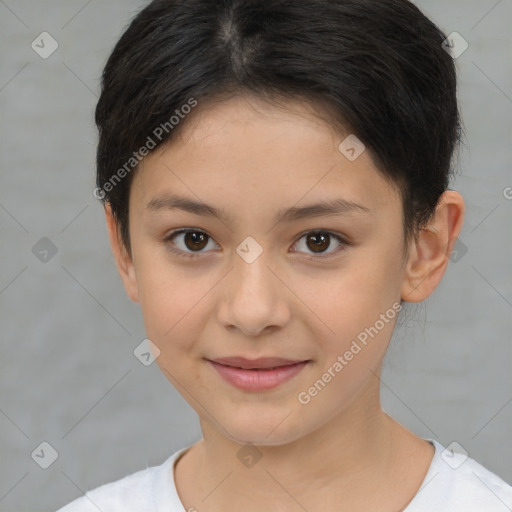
{"points": [[258, 380]]}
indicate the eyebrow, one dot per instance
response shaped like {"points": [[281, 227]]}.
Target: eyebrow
{"points": [[332, 207]]}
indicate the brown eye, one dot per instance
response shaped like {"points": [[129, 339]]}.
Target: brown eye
{"points": [[191, 242], [188, 242], [318, 242], [195, 240]]}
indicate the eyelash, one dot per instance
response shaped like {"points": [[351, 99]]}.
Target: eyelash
{"points": [[168, 240]]}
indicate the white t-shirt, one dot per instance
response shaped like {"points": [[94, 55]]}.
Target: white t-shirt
{"points": [[454, 483]]}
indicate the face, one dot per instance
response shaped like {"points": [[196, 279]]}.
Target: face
{"points": [[310, 285]]}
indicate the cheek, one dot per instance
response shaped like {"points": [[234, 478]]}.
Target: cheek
{"points": [[345, 301], [355, 311], [173, 319], [348, 358], [167, 296]]}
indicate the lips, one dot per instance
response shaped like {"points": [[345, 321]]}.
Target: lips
{"points": [[257, 375], [262, 363]]}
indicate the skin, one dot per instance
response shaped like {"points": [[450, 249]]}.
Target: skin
{"points": [[340, 451]]}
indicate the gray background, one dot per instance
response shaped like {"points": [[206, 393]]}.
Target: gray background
{"points": [[68, 331]]}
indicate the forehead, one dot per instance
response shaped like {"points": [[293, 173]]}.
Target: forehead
{"points": [[253, 155]]}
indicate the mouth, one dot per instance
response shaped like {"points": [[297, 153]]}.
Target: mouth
{"points": [[262, 363], [257, 374]]}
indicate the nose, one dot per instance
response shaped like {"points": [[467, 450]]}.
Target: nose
{"points": [[254, 298]]}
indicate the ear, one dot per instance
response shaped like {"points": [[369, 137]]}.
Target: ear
{"points": [[430, 254], [123, 259]]}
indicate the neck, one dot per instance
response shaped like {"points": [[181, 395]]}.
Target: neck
{"points": [[349, 455]]}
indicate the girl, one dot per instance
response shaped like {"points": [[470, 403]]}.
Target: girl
{"points": [[275, 180]]}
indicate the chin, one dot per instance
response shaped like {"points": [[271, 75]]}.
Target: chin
{"points": [[270, 431]]}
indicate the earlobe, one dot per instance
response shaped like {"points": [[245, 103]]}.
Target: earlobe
{"points": [[430, 254], [123, 260]]}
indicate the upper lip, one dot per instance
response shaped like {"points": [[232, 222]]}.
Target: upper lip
{"points": [[260, 363]]}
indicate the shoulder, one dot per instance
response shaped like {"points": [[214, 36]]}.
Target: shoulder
{"points": [[456, 482], [133, 492], [142, 490]]}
